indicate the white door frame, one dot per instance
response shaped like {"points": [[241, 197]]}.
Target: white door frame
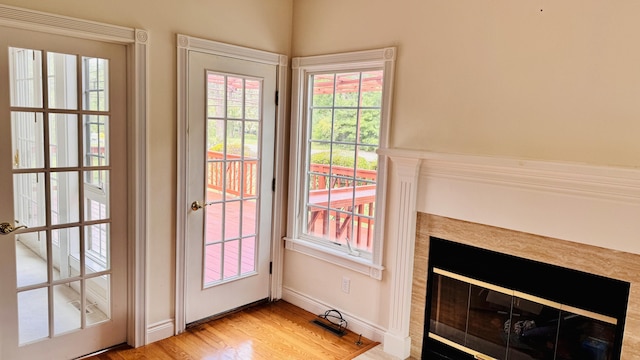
{"points": [[136, 43], [185, 44]]}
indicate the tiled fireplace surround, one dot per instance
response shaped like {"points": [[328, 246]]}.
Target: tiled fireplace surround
{"points": [[572, 215]]}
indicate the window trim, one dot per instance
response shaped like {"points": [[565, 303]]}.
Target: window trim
{"points": [[302, 67]]}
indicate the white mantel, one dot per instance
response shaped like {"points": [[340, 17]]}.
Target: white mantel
{"points": [[592, 205]]}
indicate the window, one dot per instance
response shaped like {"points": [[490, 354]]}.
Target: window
{"points": [[340, 116]]}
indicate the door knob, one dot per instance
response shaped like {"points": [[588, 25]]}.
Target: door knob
{"points": [[196, 205], [6, 228]]}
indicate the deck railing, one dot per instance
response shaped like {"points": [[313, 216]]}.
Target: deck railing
{"points": [[336, 198], [233, 169], [337, 201]]}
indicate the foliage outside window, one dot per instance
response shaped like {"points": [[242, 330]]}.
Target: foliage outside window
{"points": [[340, 114]]}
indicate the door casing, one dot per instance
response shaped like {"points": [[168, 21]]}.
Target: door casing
{"points": [[185, 44], [136, 43]]}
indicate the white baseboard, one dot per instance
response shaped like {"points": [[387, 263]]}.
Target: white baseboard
{"points": [[160, 330], [356, 325]]}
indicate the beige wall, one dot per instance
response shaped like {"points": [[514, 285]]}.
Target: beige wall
{"points": [[498, 77], [260, 24], [544, 80]]}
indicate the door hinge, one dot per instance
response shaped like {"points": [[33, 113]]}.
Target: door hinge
{"points": [[273, 185], [270, 267], [277, 98]]}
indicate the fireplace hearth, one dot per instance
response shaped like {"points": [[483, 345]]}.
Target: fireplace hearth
{"points": [[487, 305]]}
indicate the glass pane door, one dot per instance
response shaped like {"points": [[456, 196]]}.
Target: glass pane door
{"points": [[59, 137], [232, 173]]}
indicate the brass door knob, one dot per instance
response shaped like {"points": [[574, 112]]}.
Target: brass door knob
{"points": [[6, 228]]}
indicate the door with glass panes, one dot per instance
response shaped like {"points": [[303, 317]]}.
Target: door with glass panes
{"points": [[63, 190], [231, 146]]}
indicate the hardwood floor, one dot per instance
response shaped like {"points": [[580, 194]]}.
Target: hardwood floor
{"points": [[275, 330]]}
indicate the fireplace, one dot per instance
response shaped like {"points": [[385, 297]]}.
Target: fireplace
{"points": [[484, 304]]}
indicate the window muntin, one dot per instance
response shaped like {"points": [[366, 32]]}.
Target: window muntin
{"points": [[341, 168]]}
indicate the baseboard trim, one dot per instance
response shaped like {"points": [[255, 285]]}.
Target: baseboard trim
{"points": [[356, 325], [160, 330]]}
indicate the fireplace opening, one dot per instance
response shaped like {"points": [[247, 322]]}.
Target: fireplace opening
{"points": [[488, 305]]}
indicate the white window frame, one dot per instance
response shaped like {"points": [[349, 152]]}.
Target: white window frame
{"points": [[302, 69]]}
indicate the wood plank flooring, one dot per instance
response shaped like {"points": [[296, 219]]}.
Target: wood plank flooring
{"points": [[275, 330]]}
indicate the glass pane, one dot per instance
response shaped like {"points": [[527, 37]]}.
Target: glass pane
{"points": [[362, 237], [96, 195], [29, 199], [319, 164], [96, 140], [235, 97], [250, 186], [63, 140], [248, 263], [65, 197], [98, 299], [95, 84], [27, 140], [449, 308], [33, 315], [215, 95], [367, 165], [97, 248], [251, 139], [215, 180], [347, 90], [215, 136], [489, 311], [66, 252], [317, 221], [25, 66], [340, 226], [370, 128], [213, 226], [213, 263], [235, 130], [63, 84], [323, 90], [66, 307], [321, 123], [533, 331], [345, 127], [231, 258], [371, 93], [252, 99], [341, 198], [233, 179], [232, 218], [584, 338], [365, 200], [249, 217], [343, 161], [31, 258]]}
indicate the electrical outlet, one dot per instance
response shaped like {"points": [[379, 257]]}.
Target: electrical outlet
{"points": [[346, 284]]}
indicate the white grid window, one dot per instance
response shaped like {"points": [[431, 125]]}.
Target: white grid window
{"points": [[340, 115]]}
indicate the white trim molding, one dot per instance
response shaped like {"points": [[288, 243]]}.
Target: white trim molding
{"points": [[401, 230], [355, 324], [160, 330], [186, 44], [588, 204], [136, 42]]}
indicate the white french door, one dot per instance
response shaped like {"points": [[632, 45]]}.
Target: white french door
{"points": [[231, 137], [63, 186]]}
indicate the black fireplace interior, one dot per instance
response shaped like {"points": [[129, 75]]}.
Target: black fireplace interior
{"points": [[488, 305]]}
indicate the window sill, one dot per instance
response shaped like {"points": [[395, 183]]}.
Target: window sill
{"points": [[347, 261]]}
